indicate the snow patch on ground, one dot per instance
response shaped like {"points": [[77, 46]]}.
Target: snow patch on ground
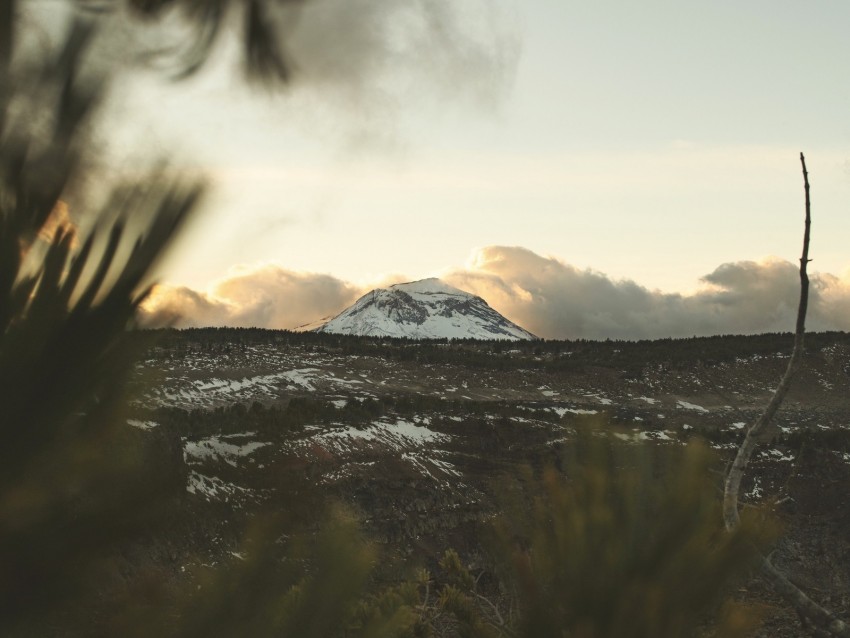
{"points": [[216, 391], [142, 425], [395, 434], [651, 435], [778, 455], [302, 378], [691, 406], [724, 446], [429, 466], [215, 448], [757, 491], [211, 487], [563, 411]]}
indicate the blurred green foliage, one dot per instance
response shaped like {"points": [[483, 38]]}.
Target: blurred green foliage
{"points": [[630, 546], [306, 587]]}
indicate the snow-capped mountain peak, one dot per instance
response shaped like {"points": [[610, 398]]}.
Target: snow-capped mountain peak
{"points": [[429, 286], [424, 309]]}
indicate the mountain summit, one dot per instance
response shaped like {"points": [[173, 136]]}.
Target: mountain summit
{"points": [[425, 309]]}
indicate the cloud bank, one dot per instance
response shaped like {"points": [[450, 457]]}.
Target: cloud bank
{"points": [[265, 297], [549, 297], [556, 300]]}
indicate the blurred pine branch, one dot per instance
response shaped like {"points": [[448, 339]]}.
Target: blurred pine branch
{"points": [[73, 478]]}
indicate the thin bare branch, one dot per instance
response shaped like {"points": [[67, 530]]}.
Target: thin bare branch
{"points": [[819, 617], [733, 480]]}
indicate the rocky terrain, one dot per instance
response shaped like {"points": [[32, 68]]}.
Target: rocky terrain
{"points": [[414, 436]]}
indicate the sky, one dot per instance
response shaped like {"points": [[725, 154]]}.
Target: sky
{"points": [[592, 169]]}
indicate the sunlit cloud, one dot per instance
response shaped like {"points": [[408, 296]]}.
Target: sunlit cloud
{"points": [[545, 295], [556, 300], [267, 296]]}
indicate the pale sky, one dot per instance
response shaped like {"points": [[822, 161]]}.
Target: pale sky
{"points": [[649, 141]]}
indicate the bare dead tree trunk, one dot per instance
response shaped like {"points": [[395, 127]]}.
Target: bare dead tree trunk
{"points": [[805, 606], [819, 617], [736, 472]]}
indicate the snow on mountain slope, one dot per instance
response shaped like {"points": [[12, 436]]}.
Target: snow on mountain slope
{"points": [[425, 309]]}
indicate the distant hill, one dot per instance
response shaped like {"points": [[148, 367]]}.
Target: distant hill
{"points": [[425, 309]]}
